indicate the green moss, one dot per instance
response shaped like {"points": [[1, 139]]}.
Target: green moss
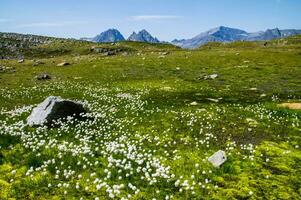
{"points": [[4, 189]]}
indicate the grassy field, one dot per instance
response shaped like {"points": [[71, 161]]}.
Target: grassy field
{"points": [[154, 122]]}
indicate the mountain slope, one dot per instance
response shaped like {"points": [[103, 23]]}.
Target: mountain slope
{"points": [[226, 34], [143, 36]]}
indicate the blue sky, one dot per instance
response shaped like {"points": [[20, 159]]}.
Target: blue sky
{"points": [[165, 19]]}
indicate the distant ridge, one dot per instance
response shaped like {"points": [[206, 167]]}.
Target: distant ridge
{"points": [[227, 34], [218, 34]]}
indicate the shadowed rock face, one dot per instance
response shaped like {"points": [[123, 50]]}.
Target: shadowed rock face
{"points": [[54, 108]]}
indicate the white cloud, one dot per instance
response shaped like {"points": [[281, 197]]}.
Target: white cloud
{"points": [[155, 17]]}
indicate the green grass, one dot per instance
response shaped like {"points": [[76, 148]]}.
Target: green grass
{"points": [[262, 141]]}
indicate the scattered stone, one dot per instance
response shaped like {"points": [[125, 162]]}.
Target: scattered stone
{"points": [[263, 95], [98, 50], [212, 76], [125, 53], [293, 106], [21, 61], [253, 89], [38, 62], [166, 88], [218, 158], [213, 100], [178, 68], [194, 103], [7, 69], [54, 108], [164, 53], [63, 64], [109, 53], [43, 76]]}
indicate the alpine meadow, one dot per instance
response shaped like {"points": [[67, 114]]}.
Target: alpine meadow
{"points": [[217, 116]]}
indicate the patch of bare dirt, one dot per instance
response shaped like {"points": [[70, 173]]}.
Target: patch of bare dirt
{"points": [[294, 106]]}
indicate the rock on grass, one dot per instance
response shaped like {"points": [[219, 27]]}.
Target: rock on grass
{"points": [[54, 108]]}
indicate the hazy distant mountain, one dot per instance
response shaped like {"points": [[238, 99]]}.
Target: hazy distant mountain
{"points": [[111, 35], [289, 32], [87, 39], [219, 34], [264, 35], [226, 34], [143, 36]]}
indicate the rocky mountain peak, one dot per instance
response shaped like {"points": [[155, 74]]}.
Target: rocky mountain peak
{"points": [[111, 35], [143, 36]]}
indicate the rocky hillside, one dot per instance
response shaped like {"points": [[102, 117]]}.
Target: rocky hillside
{"points": [[20, 46], [12, 44]]}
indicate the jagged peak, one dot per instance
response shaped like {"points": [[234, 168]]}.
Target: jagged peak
{"points": [[110, 35], [144, 31], [143, 36]]}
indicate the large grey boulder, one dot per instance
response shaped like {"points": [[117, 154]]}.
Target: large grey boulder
{"points": [[218, 158], [53, 108]]}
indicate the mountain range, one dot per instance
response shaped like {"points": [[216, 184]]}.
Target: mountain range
{"points": [[226, 34], [113, 35], [219, 34]]}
